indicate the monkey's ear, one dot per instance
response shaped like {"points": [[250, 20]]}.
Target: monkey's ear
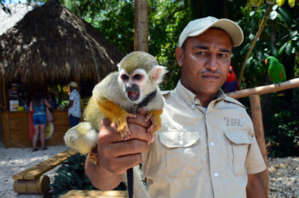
{"points": [[118, 65], [157, 73]]}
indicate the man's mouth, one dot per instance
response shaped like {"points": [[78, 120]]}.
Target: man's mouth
{"points": [[212, 76]]}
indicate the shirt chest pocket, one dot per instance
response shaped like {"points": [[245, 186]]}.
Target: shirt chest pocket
{"points": [[181, 150], [237, 149]]}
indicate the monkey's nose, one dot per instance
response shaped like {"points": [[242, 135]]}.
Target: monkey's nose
{"points": [[133, 87]]}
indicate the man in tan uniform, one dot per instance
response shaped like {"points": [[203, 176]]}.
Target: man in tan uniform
{"points": [[206, 146]]}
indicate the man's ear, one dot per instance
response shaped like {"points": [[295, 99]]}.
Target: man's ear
{"points": [[179, 52]]}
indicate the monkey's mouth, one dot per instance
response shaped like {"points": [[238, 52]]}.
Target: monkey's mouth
{"points": [[133, 92], [133, 95]]}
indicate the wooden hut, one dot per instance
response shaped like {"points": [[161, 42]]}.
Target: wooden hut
{"points": [[48, 46]]}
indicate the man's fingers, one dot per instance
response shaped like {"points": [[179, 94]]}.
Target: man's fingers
{"points": [[127, 147], [116, 154], [108, 133], [139, 120], [121, 164], [142, 111]]}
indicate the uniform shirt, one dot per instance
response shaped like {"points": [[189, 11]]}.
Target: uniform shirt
{"points": [[198, 154], [75, 109]]}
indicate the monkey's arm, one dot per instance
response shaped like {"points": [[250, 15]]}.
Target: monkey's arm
{"points": [[154, 116], [116, 115]]}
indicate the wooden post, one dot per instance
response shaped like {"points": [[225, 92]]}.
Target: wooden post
{"points": [[95, 193], [39, 185], [6, 128], [257, 119], [4, 93]]}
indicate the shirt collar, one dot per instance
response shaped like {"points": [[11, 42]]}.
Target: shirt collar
{"points": [[190, 98]]}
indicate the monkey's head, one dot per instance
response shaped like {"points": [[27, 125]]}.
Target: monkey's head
{"points": [[139, 75]]}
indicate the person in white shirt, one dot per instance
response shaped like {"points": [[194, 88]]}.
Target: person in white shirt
{"points": [[74, 106]]}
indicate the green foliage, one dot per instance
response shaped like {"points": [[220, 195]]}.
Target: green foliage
{"points": [[85, 7], [117, 25], [113, 18], [288, 30], [283, 133], [71, 176], [167, 20], [280, 38], [255, 71]]}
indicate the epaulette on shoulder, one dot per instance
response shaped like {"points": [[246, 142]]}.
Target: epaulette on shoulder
{"points": [[165, 92], [232, 100]]}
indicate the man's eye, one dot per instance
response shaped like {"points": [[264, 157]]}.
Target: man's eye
{"points": [[137, 77], [200, 53], [223, 55], [124, 77]]}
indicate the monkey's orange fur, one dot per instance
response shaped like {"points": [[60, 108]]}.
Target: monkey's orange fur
{"points": [[116, 115], [119, 116], [154, 115]]}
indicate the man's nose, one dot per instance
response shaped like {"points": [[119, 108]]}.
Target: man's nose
{"points": [[211, 63]]}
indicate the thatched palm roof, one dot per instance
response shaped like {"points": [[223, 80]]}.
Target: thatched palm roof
{"points": [[49, 45]]}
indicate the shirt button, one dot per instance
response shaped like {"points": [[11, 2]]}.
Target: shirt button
{"points": [[212, 143], [180, 142], [216, 174], [193, 106]]}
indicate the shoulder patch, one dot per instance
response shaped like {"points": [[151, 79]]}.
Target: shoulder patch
{"points": [[165, 92], [231, 100]]}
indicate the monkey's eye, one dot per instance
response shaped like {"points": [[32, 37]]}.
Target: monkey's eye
{"points": [[137, 77], [124, 77]]}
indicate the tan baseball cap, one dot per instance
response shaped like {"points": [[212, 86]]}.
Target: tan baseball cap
{"points": [[73, 84], [198, 26]]}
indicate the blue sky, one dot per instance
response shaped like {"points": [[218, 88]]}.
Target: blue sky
{"points": [[14, 1]]}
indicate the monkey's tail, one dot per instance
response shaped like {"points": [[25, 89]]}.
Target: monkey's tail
{"points": [[130, 181], [139, 188]]}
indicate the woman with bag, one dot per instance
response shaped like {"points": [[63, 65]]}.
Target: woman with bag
{"points": [[52, 101], [39, 107]]}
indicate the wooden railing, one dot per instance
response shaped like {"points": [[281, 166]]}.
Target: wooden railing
{"points": [[256, 115]]}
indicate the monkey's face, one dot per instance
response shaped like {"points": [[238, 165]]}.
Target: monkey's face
{"points": [[133, 84]]}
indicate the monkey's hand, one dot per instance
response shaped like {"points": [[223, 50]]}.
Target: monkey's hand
{"points": [[93, 155], [116, 115], [154, 116]]}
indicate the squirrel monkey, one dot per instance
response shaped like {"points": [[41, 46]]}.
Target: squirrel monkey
{"points": [[119, 96]]}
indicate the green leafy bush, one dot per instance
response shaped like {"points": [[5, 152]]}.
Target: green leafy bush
{"points": [[71, 176], [283, 135]]}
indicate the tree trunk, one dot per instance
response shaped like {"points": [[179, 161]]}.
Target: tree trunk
{"points": [[261, 29], [141, 26]]}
